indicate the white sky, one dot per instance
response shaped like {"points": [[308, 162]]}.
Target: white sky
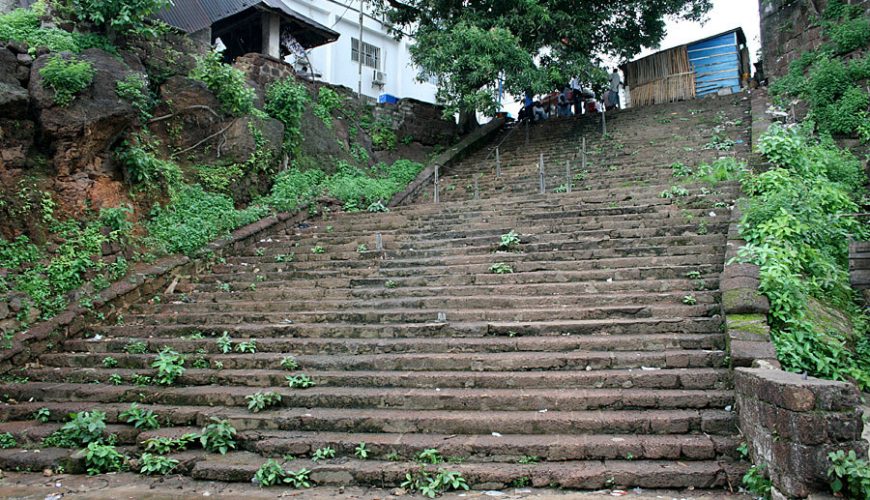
{"points": [[725, 15]]}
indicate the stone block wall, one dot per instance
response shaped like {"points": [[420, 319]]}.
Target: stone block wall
{"points": [[262, 69], [787, 31], [423, 122], [793, 422]]}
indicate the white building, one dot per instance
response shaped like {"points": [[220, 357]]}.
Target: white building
{"points": [[387, 66]]}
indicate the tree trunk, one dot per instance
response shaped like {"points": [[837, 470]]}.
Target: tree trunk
{"points": [[467, 121]]}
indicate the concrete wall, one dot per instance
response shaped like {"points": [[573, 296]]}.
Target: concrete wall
{"points": [[334, 62]]}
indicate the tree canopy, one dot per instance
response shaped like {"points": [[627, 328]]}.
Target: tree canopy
{"points": [[532, 44]]}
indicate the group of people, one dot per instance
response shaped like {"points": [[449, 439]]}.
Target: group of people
{"points": [[574, 99]]}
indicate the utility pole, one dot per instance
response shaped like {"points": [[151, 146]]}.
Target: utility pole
{"points": [[362, 4]]}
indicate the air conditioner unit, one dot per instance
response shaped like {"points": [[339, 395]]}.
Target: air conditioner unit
{"points": [[379, 78]]}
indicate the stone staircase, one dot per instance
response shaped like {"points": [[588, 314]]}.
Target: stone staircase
{"points": [[586, 367]]}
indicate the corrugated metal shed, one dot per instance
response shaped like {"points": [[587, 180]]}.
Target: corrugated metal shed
{"points": [[716, 62]]}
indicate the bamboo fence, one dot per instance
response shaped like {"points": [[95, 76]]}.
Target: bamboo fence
{"points": [[661, 78]]}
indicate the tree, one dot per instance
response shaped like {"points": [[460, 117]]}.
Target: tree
{"points": [[532, 44]]}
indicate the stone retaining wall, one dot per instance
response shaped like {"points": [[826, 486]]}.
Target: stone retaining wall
{"points": [[419, 121]]}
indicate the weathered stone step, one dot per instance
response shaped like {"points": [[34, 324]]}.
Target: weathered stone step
{"points": [[396, 398], [635, 326], [471, 362], [314, 346], [585, 475]]}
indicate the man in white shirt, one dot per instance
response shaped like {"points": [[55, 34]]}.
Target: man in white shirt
{"points": [[612, 100]]}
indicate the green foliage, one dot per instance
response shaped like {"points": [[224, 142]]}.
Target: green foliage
{"points": [[390, 284], [430, 456], [327, 102], [259, 401], [103, 458], [162, 445], [323, 453], [270, 474], [798, 231], [140, 418], [361, 451], [430, 485], [129, 16], [195, 217], [286, 101], [721, 170], [226, 83], [134, 88], [289, 363], [318, 250], [509, 242], [225, 343], [136, 347], [24, 26], [300, 381], [110, 362], [144, 168], [294, 187], [7, 441], [846, 27], [756, 483], [690, 300], [218, 436], [383, 135], [850, 475], [529, 459], [249, 347], [501, 268], [42, 415], [83, 428], [156, 464], [169, 365], [115, 379], [674, 192], [67, 77]]}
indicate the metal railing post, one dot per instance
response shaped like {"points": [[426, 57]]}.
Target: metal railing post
{"points": [[476, 188], [527, 131], [541, 172], [604, 121], [568, 174], [497, 162], [379, 242], [584, 154], [437, 181]]}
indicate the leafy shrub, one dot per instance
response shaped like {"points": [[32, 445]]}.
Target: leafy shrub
{"points": [[756, 483], [67, 77], [42, 415], [103, 458], [162, 445], [285, 101], [83, 428], [327, 102], [129, 16], [323, 453], [259, 401], [300, 381], [218, 436], [169, 365], [431, 485], [156, 464], [270, 474], [226, 83], [294, 187], [383, 135], [797, 228], [144, 168], [501, 268], [509, 242], [141, 419], [289, 363], [134, 89], [24, 26], [136, 347], [850, 475], [7, 441], [195, 217], [849, 35]]}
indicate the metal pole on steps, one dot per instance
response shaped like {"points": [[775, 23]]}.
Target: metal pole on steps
{"points": [[527, 131], [568, 174], [437, 168], [604, 121], [379, 242], [584, 153], [541, 173], [476, 188], [497, 162]]}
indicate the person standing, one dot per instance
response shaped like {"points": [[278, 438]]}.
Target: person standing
{"points": [[577, 91], [612, 100]]}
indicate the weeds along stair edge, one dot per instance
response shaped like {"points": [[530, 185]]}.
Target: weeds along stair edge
{"points": [[588, 354]]}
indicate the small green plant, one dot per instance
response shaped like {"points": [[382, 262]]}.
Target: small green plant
{"points": [[430, 485], [501, 268], [509, 242], [362, 248], [270, 474], [680, 169], [141, 419], [756, 483], [521, 482], [134, 89], [109, 362], [361, 451], [674, 192], [162, 445], [169, 365], [156, 464], [139, 379], [323, 453], [850, 475], [318, 250], [67, 77], [285, 257], [103, 458], [218, 436], [136, 347], [7, 441], [430, 456], [200, 363], [300, 381], [377, 206], [289, 363], [690, 300], [259, 401], [42, 415], [227, 83], [529, 459], [84, 428], [327, 102], [393, 456], [390, 284], [249, 347], [225, 287], [225, 343]]}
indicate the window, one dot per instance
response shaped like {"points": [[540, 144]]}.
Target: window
{"points": [[371, 54]]}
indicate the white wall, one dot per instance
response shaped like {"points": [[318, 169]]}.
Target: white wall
{"points": [[334, 62]]}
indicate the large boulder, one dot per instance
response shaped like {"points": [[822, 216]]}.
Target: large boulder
{"points": [[81, 133], [240, 139], [190, 106], [16, 139], [13, 97]]}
